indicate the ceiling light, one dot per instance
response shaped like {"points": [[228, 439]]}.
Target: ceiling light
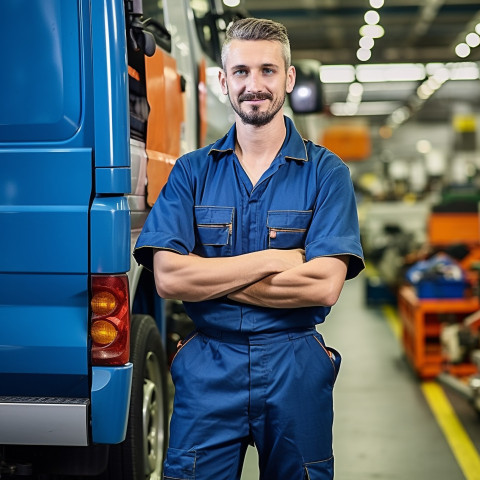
{"points": [[394, 72], [356, 89], [433, 83], [477, 28], [462, 50], [371, 17], [343, 109], [376, 3], [373, 31], [463, 71], [364, 54], [366, 42], [424, 146], [231, 3], [337, 73], [400, 115], [424, 91], [473, 40]]}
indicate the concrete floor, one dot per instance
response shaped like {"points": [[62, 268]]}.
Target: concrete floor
{"points": [[384, 428]]}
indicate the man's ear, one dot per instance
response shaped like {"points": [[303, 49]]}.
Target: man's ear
{"points": [[291, 76], [222, 78]]}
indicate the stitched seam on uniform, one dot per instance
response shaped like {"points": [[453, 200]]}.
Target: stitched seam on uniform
{"points": [[318, 461], [335, 254], [331, 361], [220, 151], [301, 159], [182, 347], [313, 463], [159, 248]]}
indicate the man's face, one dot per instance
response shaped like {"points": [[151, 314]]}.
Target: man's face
{"points": [[255, 80]]}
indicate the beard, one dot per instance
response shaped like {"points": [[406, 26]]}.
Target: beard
{"points": [[254, 116]]}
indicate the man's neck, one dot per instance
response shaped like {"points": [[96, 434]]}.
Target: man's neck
{"points": [[257, 147]]}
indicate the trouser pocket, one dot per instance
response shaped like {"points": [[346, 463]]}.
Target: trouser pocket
{"points": [[321, 470], [333, 355], [336, 359], [179, 465]]}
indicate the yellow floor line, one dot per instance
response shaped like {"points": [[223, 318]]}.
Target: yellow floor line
{"points": [[393, 320], [460, 443], [458, 439]]}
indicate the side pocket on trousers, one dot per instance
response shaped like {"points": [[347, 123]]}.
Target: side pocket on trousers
{"points": [[181, 345], [321, 470], [336, 358], [333, 355], [180, 465]]}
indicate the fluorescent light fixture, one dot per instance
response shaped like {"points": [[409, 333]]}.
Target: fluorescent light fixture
{"points": [[394, 72], [365, 108], [436, 73], [337, 73], [371, 17], [433, 67], [463, 71], [347, 109], [424, 91], [373, 31]]}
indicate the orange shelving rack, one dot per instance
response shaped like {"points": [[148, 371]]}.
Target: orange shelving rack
{"points": [[422, 323]]}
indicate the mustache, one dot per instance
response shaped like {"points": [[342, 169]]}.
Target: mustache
{"points": [[247, 97]]}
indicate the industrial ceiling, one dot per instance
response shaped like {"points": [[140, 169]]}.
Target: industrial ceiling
{"points": [[423, 33]]}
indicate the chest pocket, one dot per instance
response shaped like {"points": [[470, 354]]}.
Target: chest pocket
{"points": [[288, 228], [214, 230]]}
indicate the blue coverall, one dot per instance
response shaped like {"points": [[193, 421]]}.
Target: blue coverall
{"points": [[252, 374]]}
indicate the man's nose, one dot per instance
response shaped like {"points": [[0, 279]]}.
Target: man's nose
{"points": [[254, 82]]}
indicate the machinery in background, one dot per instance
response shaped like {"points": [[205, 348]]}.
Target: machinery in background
{"points": [[461, 343]]}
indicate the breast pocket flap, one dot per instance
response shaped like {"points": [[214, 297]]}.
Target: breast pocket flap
{"points": [[214, 224], [288, 228], [289, 219]]}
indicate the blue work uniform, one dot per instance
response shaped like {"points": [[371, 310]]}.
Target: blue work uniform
{"points": [[249, 373]]}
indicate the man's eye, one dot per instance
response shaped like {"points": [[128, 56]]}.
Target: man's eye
{"points": [[268, 71], [239, 72]]}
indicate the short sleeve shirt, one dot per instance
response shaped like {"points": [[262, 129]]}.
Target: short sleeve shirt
{"points": [[209, 207]]}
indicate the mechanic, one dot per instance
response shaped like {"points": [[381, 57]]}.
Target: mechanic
{"points": [[256, 233]]}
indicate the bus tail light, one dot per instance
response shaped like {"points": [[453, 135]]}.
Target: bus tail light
{"points": [[110, 320]]}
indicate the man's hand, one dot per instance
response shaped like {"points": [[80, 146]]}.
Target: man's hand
{"points": [[290, 258], [194, 278], [313, 283]]}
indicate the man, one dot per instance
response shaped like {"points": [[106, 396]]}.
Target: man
{"points": [[256, 234]]}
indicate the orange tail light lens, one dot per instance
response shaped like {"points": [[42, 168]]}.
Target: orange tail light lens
{"points": [[110, 320]]}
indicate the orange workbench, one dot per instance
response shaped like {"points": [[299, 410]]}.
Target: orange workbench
{"points": [[422, 320]]}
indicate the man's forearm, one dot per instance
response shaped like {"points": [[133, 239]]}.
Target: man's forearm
{"points": [[318, 282], [192, 278]]}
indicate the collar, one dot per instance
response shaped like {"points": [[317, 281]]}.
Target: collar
{"points": [[293, 147]]}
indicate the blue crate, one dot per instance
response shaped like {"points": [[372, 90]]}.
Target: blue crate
{"points": [[441, 289]]}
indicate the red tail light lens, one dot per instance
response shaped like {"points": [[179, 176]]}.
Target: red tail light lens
{"points": [[110, 321]]}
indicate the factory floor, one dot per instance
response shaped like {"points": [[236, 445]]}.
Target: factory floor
{"points": [[390, 425]]}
